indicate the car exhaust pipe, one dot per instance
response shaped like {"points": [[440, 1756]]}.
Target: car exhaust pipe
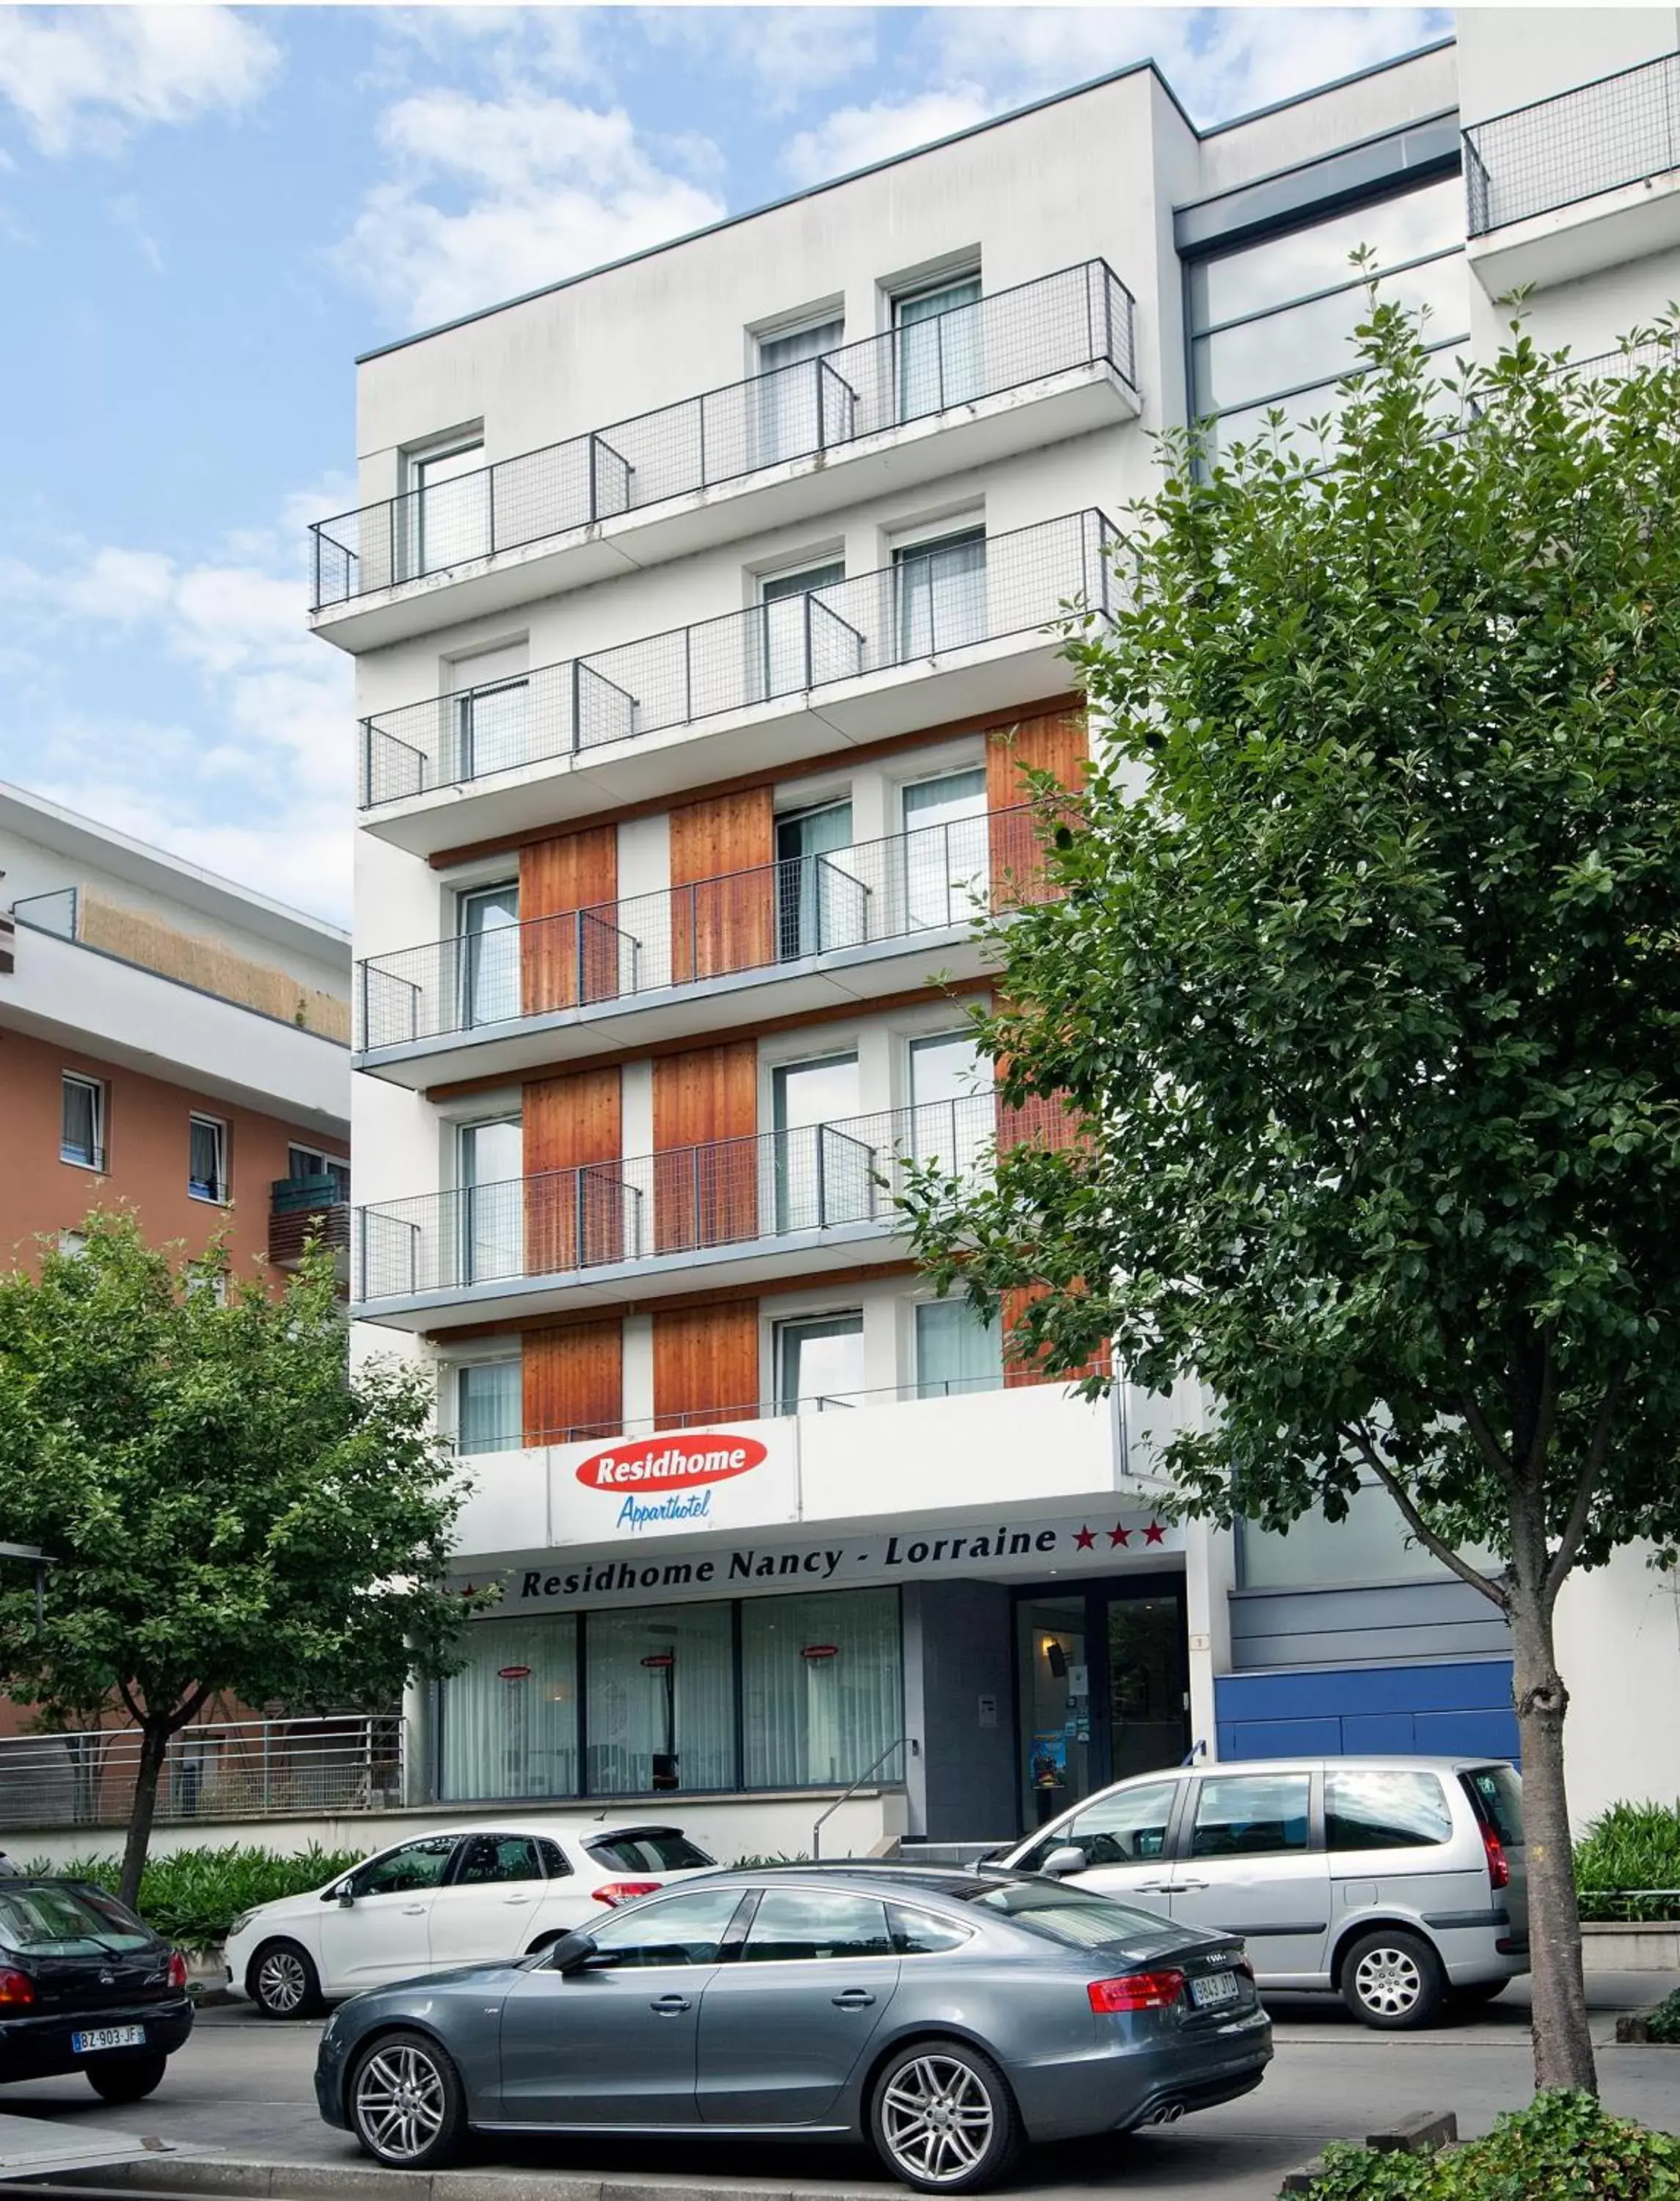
{"points": [[1168, 2114]]}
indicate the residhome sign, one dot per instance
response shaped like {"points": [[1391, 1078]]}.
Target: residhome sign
{"points": [[645, 1487], [1018, 1551]]}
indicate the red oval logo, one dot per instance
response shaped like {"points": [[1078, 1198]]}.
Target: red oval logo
{"points": [[670, 1463]]}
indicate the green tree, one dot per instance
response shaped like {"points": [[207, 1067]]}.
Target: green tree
{"points": [[1362, 993], [227, 1513]]}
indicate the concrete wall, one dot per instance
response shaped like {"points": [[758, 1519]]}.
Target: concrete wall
{"points": [[1508, 57]]}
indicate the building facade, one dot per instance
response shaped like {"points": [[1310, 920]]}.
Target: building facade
{"points": [[703, 612]]}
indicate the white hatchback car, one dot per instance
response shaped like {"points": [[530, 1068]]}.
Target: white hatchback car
{"points": [[469, 1895]]}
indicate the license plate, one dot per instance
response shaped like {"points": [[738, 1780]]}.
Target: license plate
{"points": [[1218, 1987], [108, 2036]]}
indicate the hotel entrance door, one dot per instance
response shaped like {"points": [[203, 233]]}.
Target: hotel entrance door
{"points": [[1103, 1688]]}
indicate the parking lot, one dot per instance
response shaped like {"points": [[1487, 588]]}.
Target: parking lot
{"points": [[242, 2086]]}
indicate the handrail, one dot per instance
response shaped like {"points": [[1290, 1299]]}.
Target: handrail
{"points": [[1603, 136], [904, 1742]]}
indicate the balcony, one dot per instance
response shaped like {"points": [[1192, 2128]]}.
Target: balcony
{"points": [[1016, 371], [799, 934], [305, 1208], [734, 1211], [933, 638], [1582, 181]]}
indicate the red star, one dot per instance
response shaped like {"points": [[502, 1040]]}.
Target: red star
{"points": [[1154, 1534], [1117, 1534], [1086, 1541]]}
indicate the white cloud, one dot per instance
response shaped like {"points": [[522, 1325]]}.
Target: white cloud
{"points": [[490, 198], [84, 79], [852, 136], [788, 53]]}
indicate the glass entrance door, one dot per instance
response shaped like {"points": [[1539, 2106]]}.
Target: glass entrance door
{"points": [[1103, 1688]]}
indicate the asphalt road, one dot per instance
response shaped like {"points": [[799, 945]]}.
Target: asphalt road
{"points": [[244, 2087]]}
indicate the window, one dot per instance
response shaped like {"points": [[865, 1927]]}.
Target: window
{"points": [[1272, 321], [81, 1136], [825, 1172], [303, 1163], [490, 1158], [941, 594], [555, 1862], [1073, 1916], [675, 1929], [1496, 1791], [821, 903], [804, 1926], [447, 513], [654, 1849], [660, 1700], [918, 1934], [1385, 1810], [488, 1406], [801, 638], [1240, 1815], [407, 1870], [938, 340], [1372, 1545], [819, 1362], [206, 1158], [487, 1859], [510, 1715], [947, 851], [487, 924], [955, 1350], [799, 405], [821, 1694], [1130, 1828]]}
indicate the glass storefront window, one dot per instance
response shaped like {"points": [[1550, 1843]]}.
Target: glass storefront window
{"points": [[821, 1692], [1373, 1545], [661, 1700], [510, 1716]]}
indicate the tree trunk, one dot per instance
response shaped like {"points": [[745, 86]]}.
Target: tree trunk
{"points": [[1563, 2049], [153, 1742]]}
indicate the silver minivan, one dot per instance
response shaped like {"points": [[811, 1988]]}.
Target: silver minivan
{"points": [[1399, 1883]]}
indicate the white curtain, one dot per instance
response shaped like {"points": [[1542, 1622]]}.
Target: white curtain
{"points": [[819, 1720], [639, 1710], [509, 1733]]}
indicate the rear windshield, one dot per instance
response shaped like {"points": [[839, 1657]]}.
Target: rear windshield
{"points": [[67, 1922], [1496, 1791], [649, 1849], [1071, 1915]]}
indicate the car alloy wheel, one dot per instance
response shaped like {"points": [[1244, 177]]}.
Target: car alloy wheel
{"points": [[1389, 1982], [283, 1982], [402, 2101], [938, 2121], [1393, 1980]]}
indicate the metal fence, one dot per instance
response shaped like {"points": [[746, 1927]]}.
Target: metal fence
{"points": [[930, 601], [1078, 317], [1600, 137], [226, 1769], [931, 881], [728, 1192]]}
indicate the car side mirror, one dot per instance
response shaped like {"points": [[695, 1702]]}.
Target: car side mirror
{"points": [[344, 1895], [571, 1952], [1059, 1862]]}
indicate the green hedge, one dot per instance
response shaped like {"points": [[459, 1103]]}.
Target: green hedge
{"points": [[193, 1896], [1631, 1845], [1562, 2147]]}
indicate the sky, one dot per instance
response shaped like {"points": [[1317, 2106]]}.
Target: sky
{"points": [[206, 212]]}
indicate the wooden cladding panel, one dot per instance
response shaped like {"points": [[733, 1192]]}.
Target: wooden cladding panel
{"points": [[706, 1362], [706, 1165], [573, 1381], [560, 953], [574, 1196], [723, 898], [1015, 1372], [1057, 743]]}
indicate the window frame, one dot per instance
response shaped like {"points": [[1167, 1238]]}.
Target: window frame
{"points": [[221, 1192], [458, 1371], [1183, 1842], [98, 1156]]}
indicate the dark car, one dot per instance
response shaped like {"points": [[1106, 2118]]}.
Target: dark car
{"points": [[948, 2018], [85, 1985]]}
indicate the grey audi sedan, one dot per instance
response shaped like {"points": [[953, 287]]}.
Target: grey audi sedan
{"points": [[948, 2018]]}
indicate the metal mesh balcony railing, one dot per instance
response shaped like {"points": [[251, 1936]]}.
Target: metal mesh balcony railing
{"points": [[683, 1201], [226, 1770], [930, 882], [920, 1392], [1597, 137], [1078, 317], [928, 602]]}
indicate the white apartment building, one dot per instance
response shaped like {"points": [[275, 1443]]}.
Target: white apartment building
{"points": [[700, 609]]}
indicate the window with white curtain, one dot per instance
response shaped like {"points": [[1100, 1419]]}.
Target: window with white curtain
{"points": [[510, 1715], [661, 1686], [955, 1351], [938, 341], [942, 593], [206, 1158], [488, 1406], [822, 1694], [792, 411]]}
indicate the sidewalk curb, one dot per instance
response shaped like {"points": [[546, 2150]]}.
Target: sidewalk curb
{"points": [[317, 2181]]}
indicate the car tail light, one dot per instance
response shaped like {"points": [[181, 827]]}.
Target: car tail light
{"points": [[1499, 1865], [612, 1891], [177, 1968], [1245, 1968], [1136, 1990], [17, 1988]]}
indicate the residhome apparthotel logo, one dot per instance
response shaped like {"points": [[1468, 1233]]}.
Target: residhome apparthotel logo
{"points": [[677, 1466]]}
